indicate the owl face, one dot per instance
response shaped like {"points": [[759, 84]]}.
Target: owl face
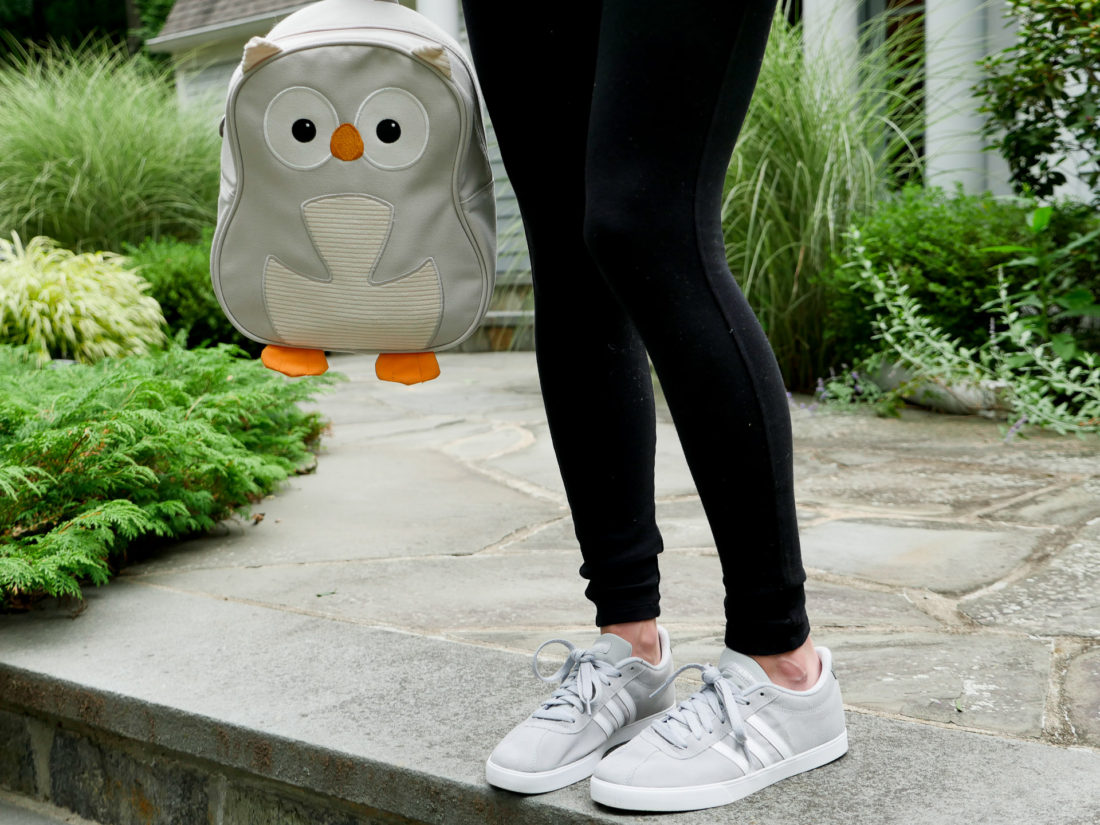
{"points": [[347, 118]]}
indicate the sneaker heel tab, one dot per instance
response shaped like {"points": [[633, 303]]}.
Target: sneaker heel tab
{"points": [[666, 647], [827, 666]]}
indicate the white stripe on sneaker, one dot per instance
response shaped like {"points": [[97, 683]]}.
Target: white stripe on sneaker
{"points": [[604, 720], [769, 735], [732, 755], [628, 704], [763, 755], [615, 711]]}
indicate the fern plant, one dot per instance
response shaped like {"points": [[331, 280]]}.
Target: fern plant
{"points": [[93, 457], [63, 305]]}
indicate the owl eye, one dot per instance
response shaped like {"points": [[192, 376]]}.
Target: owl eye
{"points": [[394, 125], [303, 130], [388, 130], [294, 119]]}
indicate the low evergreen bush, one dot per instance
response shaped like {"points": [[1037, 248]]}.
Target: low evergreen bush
{"points": [[62, 305], [94, 457], [95, 151], [178, 273]]}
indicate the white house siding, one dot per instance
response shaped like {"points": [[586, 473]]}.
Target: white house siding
{"points": [[202, 76]]}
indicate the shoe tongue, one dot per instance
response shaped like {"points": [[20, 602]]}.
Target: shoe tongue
{"points": [[740, 669], [611, 648]]}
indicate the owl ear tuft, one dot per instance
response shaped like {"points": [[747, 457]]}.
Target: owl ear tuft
{"points": [[436, 56], [257, 50]]}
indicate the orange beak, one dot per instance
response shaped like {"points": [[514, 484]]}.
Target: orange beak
{"points": [[346, 143]]}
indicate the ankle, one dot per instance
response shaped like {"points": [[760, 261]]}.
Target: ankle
{"points": [[645, 641], [797, 669]]}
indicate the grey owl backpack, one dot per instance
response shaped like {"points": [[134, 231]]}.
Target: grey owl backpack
{"points": [[356, 209]]}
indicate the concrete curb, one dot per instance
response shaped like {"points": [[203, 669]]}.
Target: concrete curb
{"points": [[115, 758]]}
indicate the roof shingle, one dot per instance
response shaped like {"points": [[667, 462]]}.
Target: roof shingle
{"points": [[187, 15]]}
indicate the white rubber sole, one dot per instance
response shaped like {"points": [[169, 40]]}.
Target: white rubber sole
{"points": [[545, 781], [696, 797]]}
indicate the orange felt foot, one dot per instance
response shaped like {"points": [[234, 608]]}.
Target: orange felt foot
{"points": [[407, 367], [293, 361]]}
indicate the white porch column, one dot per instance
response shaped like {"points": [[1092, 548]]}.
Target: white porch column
{"points": [[959, 33], [444, 13], [830, 28]]}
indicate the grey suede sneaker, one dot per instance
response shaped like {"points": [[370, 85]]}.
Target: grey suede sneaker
{"points": [[606, 697], [739, 734]]}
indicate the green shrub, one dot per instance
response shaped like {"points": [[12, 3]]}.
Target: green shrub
{"points": [[178, 273], [1035, 378], [945, 250], [1042, 94], [85, 307], [95, 152], [93, 457], [152, 14], [1060, 302], [821, 142]]}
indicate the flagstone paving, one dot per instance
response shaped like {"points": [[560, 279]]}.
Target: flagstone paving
{"points": [[955, 576]]}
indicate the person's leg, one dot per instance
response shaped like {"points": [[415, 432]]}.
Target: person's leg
{"points": [[671, 92], [536, 67]]}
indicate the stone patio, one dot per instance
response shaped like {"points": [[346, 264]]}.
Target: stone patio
{"points": [[381, 614]]}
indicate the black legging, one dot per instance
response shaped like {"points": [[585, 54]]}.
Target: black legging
{"points": [[616, 121]]}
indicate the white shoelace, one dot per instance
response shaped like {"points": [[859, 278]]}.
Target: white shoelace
{"points": [[715, 703], [579, 676]]}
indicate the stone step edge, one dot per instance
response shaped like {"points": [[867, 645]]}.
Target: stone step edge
{"points": [[33, 810], [156, 750]]}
